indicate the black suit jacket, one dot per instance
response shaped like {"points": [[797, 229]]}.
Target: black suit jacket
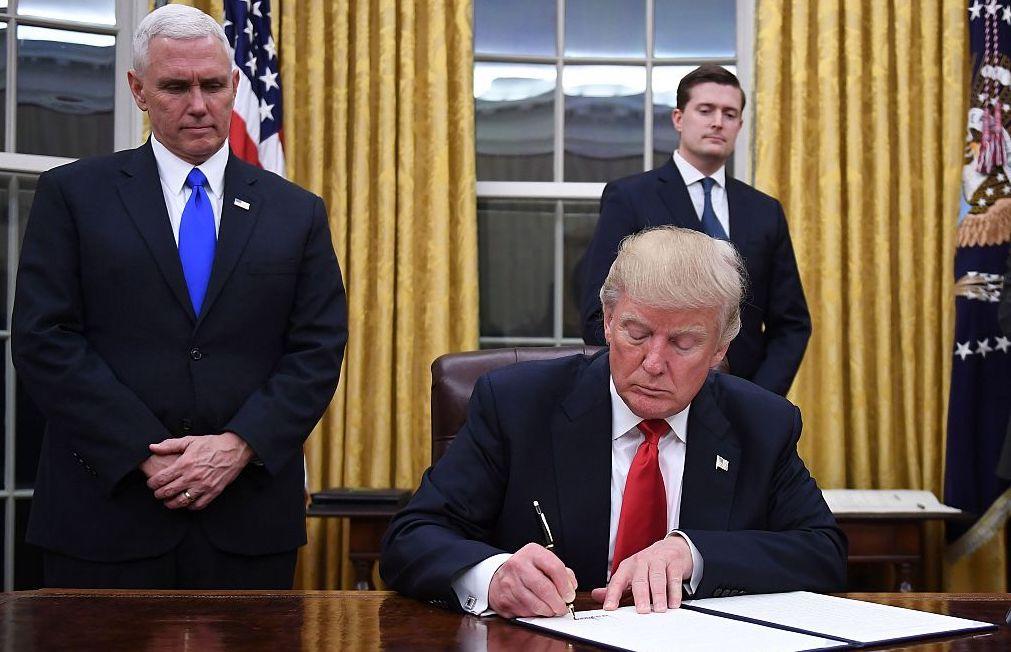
{"points": [[542, 431], [775, 324], [107, 344]]}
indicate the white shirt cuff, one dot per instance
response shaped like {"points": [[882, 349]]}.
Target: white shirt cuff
{"points": [[697, 565], [471, 586]]}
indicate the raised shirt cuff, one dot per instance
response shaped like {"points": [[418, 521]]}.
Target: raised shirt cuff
{"points": [[697, 564], [471, 586]]}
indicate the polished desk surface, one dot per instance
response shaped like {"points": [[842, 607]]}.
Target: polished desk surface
{"points": [[341, 620]]}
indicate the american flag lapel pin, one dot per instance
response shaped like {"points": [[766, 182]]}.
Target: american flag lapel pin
{"points": [[244, 205], [722, 463]]}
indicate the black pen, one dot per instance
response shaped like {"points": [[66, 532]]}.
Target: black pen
{"points": [[550, 544]]}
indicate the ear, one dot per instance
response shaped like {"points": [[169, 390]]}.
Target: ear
{"points": [[608, 314], [136, 89], [235, 83], [676, 116], [718, 357]]}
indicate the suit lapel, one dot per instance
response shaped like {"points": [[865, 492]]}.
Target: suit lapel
{"points": [[707, 491], [674, 194], [581, 441], [236, 226], [141, 192]]}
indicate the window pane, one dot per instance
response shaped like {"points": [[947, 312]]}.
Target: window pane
{"points": [[508, 345], [515, 121], [689, 28], [27, 558], [603, 121], [66, 83], [516, 253], [605, 28], [665, 86], [515, 27], [102, 12], [7, 267], [580, 220], [3, 82]]}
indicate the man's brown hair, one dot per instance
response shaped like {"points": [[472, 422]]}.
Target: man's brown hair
{"points": [[707, 72]]}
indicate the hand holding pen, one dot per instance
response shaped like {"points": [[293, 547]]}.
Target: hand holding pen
{"points": [[550, 545], [532, 582]]}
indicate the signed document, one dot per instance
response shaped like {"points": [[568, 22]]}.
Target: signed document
{"points": [[777, 621]]}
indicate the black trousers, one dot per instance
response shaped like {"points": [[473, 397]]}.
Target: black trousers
{"points": [[193, 564]]}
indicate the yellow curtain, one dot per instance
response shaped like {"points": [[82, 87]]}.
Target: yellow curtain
{"points": [[379, 122], [859, 129]]}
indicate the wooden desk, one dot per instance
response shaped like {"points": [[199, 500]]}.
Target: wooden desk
{"points": [[338, 620]]}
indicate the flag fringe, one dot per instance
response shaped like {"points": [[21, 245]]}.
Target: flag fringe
{"points": [[990, 228], [982, 530]]}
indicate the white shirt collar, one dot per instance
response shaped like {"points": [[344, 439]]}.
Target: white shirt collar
{"points": [[624, 420], [691, 174], [173, 170]]}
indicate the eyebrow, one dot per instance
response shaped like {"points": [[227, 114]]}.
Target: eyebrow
{"points": [[690, 330], [628, 319], [724, 107], [170, 81]]}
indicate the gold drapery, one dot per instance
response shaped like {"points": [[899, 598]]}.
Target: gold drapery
{"points": [[859, 129], [378, 120]]}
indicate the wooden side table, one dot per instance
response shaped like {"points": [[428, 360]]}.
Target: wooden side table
{"points": [[368, 512], [891, 538]]}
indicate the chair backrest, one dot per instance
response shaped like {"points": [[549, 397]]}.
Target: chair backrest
{"points": [[454, 376]]}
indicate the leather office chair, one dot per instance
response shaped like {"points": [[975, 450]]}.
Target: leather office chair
{"points": [[454, 376]]}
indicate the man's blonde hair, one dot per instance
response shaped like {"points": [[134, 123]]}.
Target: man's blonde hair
{"points": [[672, 268]]}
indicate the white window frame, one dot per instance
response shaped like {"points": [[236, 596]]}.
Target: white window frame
{"points": [[128, 132], [562, 190]]}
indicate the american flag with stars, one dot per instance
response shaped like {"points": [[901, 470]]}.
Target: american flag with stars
{"points": [[256, 135]]}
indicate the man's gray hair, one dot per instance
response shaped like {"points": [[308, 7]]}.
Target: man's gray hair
{"points": [[175, 22], [679, 269]]}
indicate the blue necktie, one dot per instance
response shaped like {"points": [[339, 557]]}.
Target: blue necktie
{"points": [[710, 224], [197, 239]]}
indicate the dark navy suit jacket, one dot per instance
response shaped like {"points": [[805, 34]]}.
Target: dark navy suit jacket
{"points": [[775, 324], [107, 344], [542, 431]]}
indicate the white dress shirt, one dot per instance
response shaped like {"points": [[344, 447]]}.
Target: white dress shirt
{"points": [[693, 180], [471, 586], [172, 172]]}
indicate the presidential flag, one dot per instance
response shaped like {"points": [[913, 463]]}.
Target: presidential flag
{"points": [[980, 398], [255, 134]]}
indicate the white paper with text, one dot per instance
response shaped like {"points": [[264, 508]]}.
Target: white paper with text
{"points": [[677, 629]]}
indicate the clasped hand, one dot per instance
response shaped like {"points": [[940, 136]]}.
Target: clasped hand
{"points": [[202, 466]]}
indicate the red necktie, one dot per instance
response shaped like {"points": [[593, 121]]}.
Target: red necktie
{"points": [[643, 519]]}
